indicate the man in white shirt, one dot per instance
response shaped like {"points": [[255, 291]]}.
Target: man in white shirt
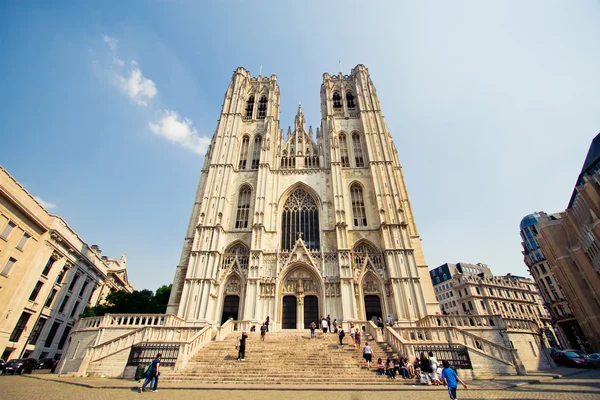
{"points": [[325, 325]]}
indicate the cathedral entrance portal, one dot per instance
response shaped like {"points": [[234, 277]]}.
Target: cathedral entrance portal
{"points": [[288, 320], [373, 307], [231, 307], [311, 311]]}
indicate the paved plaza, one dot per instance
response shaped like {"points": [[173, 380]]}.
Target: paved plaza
{"points": [[578, 386]]}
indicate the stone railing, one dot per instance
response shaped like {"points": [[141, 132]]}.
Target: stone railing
{"points": [[188, 349], [244, 326], [463, 321], [406, 339], [128, 321], [224, 330], [521, 324]]}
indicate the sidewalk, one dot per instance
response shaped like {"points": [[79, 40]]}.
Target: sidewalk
{"points": [[483, 383]]}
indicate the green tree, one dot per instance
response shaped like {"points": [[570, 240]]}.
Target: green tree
{"points": [[137, 302]]}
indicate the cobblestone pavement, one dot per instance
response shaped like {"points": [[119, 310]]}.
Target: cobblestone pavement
{"points": [[581, 386]]}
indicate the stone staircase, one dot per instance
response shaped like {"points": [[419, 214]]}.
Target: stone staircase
{"points": [[285, 357]]}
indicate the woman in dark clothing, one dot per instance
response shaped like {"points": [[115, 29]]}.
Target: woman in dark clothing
{"points": [[242, 347], [425, 367]]}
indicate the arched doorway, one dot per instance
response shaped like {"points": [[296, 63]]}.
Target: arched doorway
{"points": [[311, 311], [373, 307], [231, 306], [288, 318]]}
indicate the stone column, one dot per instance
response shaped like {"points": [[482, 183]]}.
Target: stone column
{"points": [[300, 312]]}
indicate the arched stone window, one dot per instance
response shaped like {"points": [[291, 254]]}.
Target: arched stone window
{"points": [[358, 153], [262, 107], [256, 152], [243, 209], [337, 100], [244, 153], [358, 205], [364, 249], [249, 107], [350, 100], [300, 215], [345, 160]]}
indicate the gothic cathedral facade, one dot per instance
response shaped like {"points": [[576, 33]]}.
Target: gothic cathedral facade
{"points": [[305, 224]]}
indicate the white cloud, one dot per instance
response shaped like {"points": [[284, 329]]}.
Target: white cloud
{"points": [[110, 41], [179, 130], [45, 204], [139, 88]]}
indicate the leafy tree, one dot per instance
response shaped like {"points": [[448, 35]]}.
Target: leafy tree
{"points": [[137, 302]]}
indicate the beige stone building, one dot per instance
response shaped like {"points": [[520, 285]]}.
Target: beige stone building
{"points": [[571, 245], [305, 224], [48, 276], [471, 289]]}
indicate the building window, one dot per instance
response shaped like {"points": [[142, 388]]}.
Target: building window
{"points": [[344, 151], [243, 210], [256, 152], [63, 304], [51, 298], [244, 152], [262, 107], [74, 310], [48, 266], [61, 275], [73, 282], [9, 265], [337, 100], [23, 241], [37, 329], [7, 230], [51, 334], [464, 307], [83, 287], [350, 100], [358, 205], [542, 268], [64, 337], [478, 291], [300, 218], [513, 307], [36, 291], [470, 305], [483, 305], [358, 153], [249, 107], [19, 327]]}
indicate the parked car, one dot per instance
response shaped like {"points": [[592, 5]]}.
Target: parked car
{"points": [[2, 366], [45, 363], [20, 366], [569, 358], [594, 360]]}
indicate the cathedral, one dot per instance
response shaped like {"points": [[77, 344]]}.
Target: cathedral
{"points": [[301, 224]]}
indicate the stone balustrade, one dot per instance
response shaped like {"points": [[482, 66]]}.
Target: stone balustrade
{"points": [[466, 321], [129, 321]]}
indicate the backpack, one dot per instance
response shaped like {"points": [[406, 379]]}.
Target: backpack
{"points": [[342, 333], [147, 370]]}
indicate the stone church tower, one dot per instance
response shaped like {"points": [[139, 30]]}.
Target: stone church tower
{"points": [[301, 224]]}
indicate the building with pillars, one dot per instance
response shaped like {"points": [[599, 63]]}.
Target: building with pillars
{"points": [[301, 224], [564, 321], [48, 275], [471, 289]]}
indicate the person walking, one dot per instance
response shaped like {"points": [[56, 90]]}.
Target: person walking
{"points": [[263, 330], [368, 354], [312, 327], [328, 322], [357, 336], [352, 334], [341, 335], [152, 375], [335, 326], [450, 378], [325, 325], [242, 347], [267, 323], [380, 324]]}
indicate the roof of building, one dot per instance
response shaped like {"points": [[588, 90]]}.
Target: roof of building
{"points": [[591, 162]]}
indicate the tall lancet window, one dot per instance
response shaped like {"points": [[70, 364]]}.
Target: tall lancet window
{"points": [[300, 219], [337, 100], [358, 205], [256, 152], [358, 153], [249, 107], [262, 107], [350, 100], [244, 153], [243, 209], [344, 159]]}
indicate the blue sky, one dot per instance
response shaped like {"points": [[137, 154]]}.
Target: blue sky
{"points": [[105, 108]]}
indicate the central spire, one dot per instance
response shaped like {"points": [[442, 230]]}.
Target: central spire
{"points": [[299, 121]]}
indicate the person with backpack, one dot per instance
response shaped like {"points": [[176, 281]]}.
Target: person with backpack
{"points": [[312, 326], [241, 346], [263, 330], [450, 378], [152, 374]]}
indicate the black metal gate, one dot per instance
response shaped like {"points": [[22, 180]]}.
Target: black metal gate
{"points": [[144, 353], [455, 354]]}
